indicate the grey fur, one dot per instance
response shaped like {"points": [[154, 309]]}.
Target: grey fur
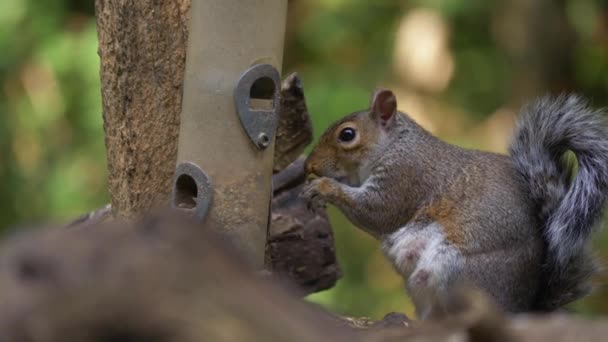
{"points": [[519, 226], [569, 211], [495, 219]]}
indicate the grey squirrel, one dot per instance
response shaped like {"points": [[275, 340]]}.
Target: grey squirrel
{"points": [[513, 226]]}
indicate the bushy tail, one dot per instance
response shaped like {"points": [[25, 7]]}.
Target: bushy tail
{"points": [[569, 207]]}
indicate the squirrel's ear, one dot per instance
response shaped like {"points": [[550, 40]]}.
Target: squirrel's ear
{"points": [[383, 106]]}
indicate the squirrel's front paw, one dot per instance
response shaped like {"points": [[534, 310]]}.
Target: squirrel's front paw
{"points": [[316, 191]]}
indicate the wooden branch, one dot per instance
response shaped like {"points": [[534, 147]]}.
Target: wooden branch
{"points": [[161, 279], [164, 279]]}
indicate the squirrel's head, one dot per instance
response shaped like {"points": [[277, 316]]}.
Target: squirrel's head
{"points": [[348, 148]]}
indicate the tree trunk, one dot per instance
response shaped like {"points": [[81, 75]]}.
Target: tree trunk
{"points": [[142, 47]]}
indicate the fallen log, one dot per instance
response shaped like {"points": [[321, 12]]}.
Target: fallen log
{"points": [[164, 279], [160, 279]]}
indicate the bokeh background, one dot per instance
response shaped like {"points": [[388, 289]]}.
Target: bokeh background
{"points": [[461, 68]]}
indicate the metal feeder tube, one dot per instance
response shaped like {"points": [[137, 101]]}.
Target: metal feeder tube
{"points": [[229, 115]]}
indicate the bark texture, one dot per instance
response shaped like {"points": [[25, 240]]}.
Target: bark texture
{"points": [[142, 47], [300, 245], [294, 131]]}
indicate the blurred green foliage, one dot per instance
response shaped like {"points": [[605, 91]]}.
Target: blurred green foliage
{"points": [[52, 158], [490, 56]]}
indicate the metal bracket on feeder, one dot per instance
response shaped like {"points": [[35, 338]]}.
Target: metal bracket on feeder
{"points": [[192, 190], [257, 102]]}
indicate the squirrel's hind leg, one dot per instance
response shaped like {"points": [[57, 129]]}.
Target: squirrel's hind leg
{"points": [[429, 264]]}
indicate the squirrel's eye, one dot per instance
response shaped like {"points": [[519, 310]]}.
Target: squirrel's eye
{"points": [[347, 134]]}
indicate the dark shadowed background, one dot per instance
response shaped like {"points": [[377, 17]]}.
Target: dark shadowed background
{"points": [[461, 68]]}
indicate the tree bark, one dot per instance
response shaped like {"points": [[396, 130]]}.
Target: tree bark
{"points": [[300, 244], [142, 47]]}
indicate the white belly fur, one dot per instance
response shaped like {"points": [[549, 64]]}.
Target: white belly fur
{"points": [[428, 263]]}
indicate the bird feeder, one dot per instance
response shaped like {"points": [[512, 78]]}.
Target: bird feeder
{"points": [[229, 118]]}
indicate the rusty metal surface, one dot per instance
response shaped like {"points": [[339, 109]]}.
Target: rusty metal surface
{"points": [[227, 37]]}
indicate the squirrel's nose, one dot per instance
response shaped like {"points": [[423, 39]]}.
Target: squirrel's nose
{"points": [[310, 169]]}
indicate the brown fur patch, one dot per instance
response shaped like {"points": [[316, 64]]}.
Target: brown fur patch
{"points": [[444, 213]]}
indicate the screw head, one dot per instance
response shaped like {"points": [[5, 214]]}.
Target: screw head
{"points": [[263, 140]]}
